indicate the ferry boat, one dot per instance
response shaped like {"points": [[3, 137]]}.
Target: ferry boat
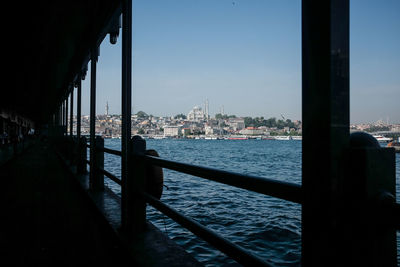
{"points": [[235, 137], [381, 138], [297, 137], [281, 137], [268, 138], [159, 137]]}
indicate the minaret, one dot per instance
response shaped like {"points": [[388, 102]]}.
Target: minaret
{"points": [[207, 110], [107, 108]]}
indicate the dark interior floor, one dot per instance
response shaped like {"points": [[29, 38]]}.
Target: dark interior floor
{"points": [[47, 220]]}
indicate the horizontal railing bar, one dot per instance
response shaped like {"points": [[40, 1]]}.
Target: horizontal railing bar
{"points": [[110, 151], [112, 194], [110, 175], [87, 161], [283, 190], [234, 251]]}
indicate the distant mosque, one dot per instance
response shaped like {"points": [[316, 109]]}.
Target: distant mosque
{"points": [[197, 114]]}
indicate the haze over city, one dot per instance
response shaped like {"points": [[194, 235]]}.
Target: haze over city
{"points": [[246, 57]]}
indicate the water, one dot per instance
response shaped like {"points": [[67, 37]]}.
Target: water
{"points": [[266, 226]]}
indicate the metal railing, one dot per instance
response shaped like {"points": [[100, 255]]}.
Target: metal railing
{"points": [[283, 190]]}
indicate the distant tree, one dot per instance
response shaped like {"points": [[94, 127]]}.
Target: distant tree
{"points": [[280, 124], [248, 122], [218, 116], [271, 122], [141, 131], [141, 114], [290, 124], [180, 116]]}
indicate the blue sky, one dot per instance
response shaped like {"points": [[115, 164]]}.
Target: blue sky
{"points": [[245, 56]]}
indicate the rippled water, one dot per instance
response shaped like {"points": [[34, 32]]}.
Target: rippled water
{"points": [[266, 226]]}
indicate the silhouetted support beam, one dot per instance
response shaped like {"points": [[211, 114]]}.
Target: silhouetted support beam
{"points": [[325, 111], [98, 181], [71, 116], [58, 117], [62, 116], [126, 217], [82, 151], [371, 228], [81, 168], [78, 109], [136, 186], [93, 65], [66, 116]]}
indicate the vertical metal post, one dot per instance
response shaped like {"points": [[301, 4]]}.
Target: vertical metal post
{"points": [[60, 110], [62, 117], [82, 151], [71, 116], [136, 218], [66, 116], [98, 181], [371, 235], [57, 118], [78, 109], [81, 168], [93, 64], [126, 107], [325, 111]]}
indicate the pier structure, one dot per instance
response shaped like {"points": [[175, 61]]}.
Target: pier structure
{"points": [[57, 211]]}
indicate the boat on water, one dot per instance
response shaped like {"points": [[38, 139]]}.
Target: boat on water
{"points": [[282, 137], [395, 145], [268, 138], [299, 137], [159, 137], [236, 137], [381, 138]]}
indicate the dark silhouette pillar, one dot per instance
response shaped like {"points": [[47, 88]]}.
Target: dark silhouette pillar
{"points": [[78, 108], [71, 117], [93, 65], [325, 111], [66, 116], [126, 109]]}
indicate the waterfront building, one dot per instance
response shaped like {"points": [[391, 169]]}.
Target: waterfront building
{"points": [[209, 130], [171, 131], [236, 124]]}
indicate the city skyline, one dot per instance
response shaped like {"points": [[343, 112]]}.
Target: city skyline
{"points": [[245, 57]]}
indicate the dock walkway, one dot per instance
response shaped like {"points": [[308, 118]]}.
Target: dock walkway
{"points": [[49, 218]]}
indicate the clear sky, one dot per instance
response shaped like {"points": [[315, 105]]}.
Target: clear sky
{"points": [[245, 56]]}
